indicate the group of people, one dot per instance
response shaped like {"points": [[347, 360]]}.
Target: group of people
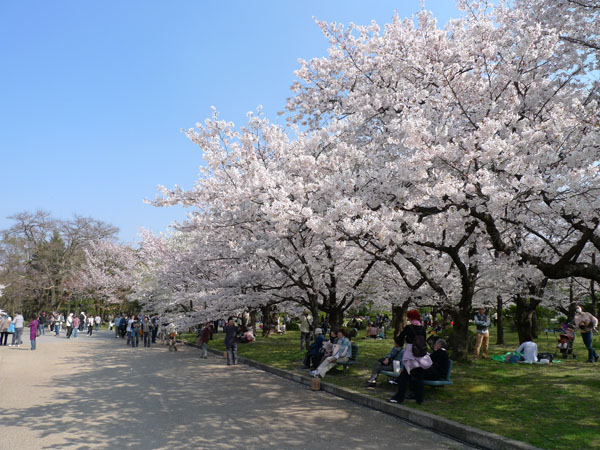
{"points": [[37, 326], [323, 354], [135, 327], [527, 351]]}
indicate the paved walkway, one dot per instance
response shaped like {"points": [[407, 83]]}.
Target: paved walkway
{"points": [[96, 393]]}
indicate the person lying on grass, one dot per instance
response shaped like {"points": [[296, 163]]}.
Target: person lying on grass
{"points": [[387, 362]]}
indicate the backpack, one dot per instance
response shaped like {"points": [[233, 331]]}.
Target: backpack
{"points": [[419, 348]]}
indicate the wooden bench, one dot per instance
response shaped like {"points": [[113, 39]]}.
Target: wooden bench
{"points": [[353, 359], [445, 382]]}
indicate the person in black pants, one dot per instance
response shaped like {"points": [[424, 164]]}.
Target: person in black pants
{"points": [[441, 361], [154, 328], [413, 366]]}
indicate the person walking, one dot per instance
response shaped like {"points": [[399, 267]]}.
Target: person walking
{"points": [[147, 331], [155, 325], [586, 324], [56, 317], [5, 322], [75, 326], [33, 327], [203, 338], [482, 322], [231, 331], [135, 332], [82, 321], [90, 325], [69, 325], [43, 320], [117, 326], [97, 321], [17, 335]]}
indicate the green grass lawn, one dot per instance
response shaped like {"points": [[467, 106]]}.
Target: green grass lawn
{"points": [[550, 406]]}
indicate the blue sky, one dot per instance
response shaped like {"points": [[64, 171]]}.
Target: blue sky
{"points": [[94, 94]]}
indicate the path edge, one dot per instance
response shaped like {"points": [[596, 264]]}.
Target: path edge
{"points": [[467, 434]]}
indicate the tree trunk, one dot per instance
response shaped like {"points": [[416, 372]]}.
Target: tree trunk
{"points": [[460, 335], [524, 317], [253, 315], [499, 324], [336, 318], [399, 317], [534, 325], [268, 318]]}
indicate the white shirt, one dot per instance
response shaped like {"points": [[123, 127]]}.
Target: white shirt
{"points": [[19, 321], [529, 351]]}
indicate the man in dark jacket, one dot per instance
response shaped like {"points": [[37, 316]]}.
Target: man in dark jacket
{"points": [[440, 359], [314, 352], [231, 331]]}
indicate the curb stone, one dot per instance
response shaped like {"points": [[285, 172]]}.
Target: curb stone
{"points": [[469, 435]]}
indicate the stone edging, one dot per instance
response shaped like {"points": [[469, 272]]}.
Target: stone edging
{"points": [[464, 433]]}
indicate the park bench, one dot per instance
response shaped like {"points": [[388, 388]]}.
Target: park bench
{"points": [[445, 382], [353, 359]]}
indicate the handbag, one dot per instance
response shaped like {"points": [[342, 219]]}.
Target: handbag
{"points": [[11, 328]]}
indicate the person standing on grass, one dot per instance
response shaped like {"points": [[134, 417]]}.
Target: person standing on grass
{"points": [[306, 324], [231, 331], [586, 324], [19, 323], [33, 327], [97, 321], [414, 366], [482, 322]]}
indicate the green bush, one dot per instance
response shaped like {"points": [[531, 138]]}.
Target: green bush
{"points": [[292, 326]]}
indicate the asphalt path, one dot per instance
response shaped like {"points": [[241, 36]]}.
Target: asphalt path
{"points": [[96, 393]]}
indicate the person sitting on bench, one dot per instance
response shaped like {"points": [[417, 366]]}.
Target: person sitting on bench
{"points": [[342, 351], [441, 361], [315, 353], [387, 363]]}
